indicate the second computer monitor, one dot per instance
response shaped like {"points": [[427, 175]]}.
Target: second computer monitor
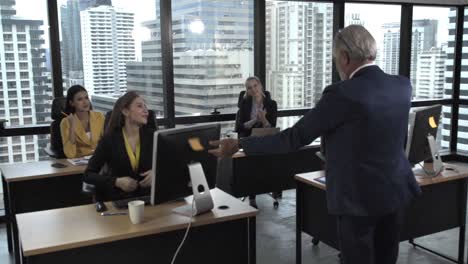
{"points": [[172, 152], [423, 122]]}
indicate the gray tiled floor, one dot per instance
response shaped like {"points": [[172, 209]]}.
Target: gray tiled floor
{"points": [[276, 239]]}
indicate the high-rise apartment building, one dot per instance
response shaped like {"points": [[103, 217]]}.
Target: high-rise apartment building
{"points": [[108, 44], [424, 35], [299, 52], [354, 19], [462, 141], [213, 55], [430, 74], [72, 62], [25, 98]]}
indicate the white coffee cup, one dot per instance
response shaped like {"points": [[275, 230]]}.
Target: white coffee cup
{"points": [[136, 211]]}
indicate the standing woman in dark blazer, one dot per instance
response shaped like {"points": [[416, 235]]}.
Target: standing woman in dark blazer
{"points": [[256, 108], [126, 148]]}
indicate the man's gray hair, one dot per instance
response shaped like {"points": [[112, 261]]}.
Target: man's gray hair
{"points": [[357, 42]]}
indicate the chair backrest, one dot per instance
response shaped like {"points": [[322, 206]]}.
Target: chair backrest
{"points": [[58, 106], [56, 144], [152, 123]]}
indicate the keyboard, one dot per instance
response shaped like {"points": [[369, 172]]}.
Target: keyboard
{"points": [[122, 204]]}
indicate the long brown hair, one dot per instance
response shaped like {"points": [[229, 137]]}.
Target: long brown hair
{"points": [[117, 119]]}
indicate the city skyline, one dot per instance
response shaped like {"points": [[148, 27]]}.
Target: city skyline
{"points": [[213, 54]]}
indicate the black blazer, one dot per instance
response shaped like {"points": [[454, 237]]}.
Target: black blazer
{"points": [[245, 107], [111, 151], [365, 122]]}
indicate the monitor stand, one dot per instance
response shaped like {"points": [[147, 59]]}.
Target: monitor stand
{"points": [[201, 193], [433, 168]]}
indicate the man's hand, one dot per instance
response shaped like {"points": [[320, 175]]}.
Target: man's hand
{"points": [[226, 147], [146, 182], [126, 184]]}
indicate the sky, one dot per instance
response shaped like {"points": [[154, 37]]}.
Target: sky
{"points": [[373, 14], [145, 10]]}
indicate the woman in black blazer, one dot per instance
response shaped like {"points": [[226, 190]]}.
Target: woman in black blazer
{"points": [[256, 108], [126, 148]]}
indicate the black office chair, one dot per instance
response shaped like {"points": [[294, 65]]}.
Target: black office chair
{"points": [[274, 195], [152, 123], [55, 147]]}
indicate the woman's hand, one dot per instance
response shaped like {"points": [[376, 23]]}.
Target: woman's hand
{"points": [[261, 116], [146, 182], [71, 132], [126, 184]]}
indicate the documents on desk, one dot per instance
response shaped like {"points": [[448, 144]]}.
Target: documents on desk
{"points": [[79, 161]]}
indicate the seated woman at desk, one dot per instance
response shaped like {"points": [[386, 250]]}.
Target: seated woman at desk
{"points": [[256, 110], [127, 150], [82, 128]]}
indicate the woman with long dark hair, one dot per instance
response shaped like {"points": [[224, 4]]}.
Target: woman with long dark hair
{"points": [[82, 128], [126, 148]]}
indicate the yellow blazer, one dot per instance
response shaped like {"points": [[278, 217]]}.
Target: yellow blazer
{"points": [[83, 146]]}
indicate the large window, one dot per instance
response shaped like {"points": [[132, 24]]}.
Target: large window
{"points": [[383, 22], [111, 47], [429, 49], [462, 140], [298, 53], [25, 83], [213, 54]]}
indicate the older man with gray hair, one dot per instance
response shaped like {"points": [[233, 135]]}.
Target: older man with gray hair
{"points": [[364, 120]]}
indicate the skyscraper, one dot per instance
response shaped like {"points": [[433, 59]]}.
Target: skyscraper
{"points": [[24, 98], [462, 140], [298, 52], [430, 74], [354, 19], [72, 62], [213, 51], [107, 43], [423, 38]]}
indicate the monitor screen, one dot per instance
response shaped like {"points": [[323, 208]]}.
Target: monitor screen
{"points": [[173, 152], [423, 122]]}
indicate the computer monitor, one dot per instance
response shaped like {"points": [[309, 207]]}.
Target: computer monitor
{"points": [[423, 124], [173, 154]]}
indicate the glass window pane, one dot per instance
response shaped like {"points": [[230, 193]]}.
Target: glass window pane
{"points": [[383, 22], [429, 48], [462, 140], [23, 148], [213, 54], [111, 47], [298, 51], [25, 78]]}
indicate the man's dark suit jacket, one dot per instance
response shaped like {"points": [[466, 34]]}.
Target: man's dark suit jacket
{"points": [[111, 151], [245, 107], [364, 121]]}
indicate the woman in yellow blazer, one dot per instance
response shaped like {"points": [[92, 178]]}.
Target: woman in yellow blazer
{"points": [[82, 128]]}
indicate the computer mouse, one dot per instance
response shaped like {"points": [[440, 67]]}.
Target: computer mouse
{"points": [[101, 207], [58, 165]]}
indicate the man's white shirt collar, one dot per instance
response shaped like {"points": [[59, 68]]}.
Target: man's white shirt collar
{"points": [[359, 68]]}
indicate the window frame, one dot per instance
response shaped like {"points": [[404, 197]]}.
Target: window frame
{"points": [[170, 120]]}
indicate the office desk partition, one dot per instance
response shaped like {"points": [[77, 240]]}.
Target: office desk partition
{"points": [[35, 186], [440, 207], [80, 235], [244, 175]]}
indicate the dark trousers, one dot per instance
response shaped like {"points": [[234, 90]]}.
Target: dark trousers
{"points": [[369, 239]]}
